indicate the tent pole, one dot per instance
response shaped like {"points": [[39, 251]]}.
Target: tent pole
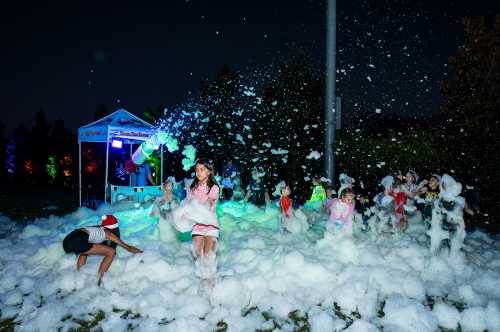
{"points": [[161, 163], [130, 157], [80, 172], [106, 170]]}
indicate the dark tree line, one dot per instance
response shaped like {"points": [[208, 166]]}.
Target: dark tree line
{"points": [[45, 155], [470, 111]]}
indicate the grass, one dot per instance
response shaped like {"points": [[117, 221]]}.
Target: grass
{"points": [[221, 326], [299, 320], [85, 325], [8, 324], [431, 300], [301, 323]]}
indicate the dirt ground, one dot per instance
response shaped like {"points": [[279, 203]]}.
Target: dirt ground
{"points": [[26, 202]]}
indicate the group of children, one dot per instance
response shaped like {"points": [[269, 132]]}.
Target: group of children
{"points": [[402, 198], [196, 214]]}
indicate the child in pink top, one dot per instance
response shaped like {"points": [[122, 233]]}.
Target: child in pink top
{"points": [[203, 194], [197, 213], [342, 212]]}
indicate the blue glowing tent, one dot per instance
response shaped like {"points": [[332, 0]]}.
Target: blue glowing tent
{"points": [[121, 125]]}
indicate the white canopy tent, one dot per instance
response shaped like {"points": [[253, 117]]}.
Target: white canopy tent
{"points": [[121, 125]]}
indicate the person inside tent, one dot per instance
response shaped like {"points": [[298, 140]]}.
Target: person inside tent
{"points": [[119, 176], [143, 176], [89, 241]]}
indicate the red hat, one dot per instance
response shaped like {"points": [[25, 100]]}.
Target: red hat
{"points": [[109, 221]]}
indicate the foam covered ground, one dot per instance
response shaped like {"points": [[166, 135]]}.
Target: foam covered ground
{"points": [[266, 280]]}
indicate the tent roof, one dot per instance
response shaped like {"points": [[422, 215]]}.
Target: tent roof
{"points": [[119, 124]]}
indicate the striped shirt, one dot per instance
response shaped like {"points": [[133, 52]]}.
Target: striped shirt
{"points": [[96, 234]]}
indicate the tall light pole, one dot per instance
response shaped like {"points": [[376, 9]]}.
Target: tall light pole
{"points": [[330, 115]]}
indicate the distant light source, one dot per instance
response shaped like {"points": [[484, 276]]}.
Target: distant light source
{"points": [[117, 144]]}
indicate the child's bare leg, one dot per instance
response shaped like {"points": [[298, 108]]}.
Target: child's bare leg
{"points": [[209, 245], [82, 259], [108, 253], [198, 242], [209, 261]]}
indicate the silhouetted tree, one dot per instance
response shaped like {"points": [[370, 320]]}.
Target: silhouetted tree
{"points": [[22, 155], [470, 104], [39, 141]]}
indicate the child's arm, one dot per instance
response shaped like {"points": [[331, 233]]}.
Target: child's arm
{"points": [[213, 196], [118, 241]]}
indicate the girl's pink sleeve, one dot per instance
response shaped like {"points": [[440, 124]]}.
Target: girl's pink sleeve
{"points": [[214, 192]]}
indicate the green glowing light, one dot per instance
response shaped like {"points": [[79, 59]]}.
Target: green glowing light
{"points": [[51, 168], [154, 163]]}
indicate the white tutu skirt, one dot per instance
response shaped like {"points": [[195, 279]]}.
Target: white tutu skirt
{"points": [[192, 212]]}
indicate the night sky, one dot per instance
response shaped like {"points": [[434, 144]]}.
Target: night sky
{"points": [[69, 58]]}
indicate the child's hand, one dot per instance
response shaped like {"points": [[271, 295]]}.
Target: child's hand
{"points": [[134, 250]]}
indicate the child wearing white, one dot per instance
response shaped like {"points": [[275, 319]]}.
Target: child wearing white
{"points": [[163, 205]]}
